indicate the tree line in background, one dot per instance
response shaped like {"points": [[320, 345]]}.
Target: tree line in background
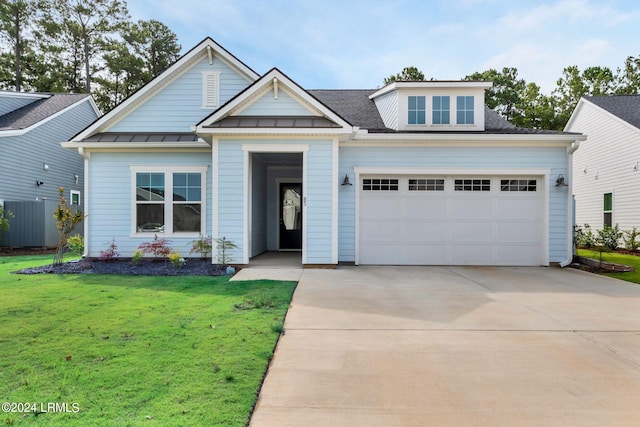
{"points": [[81, 46], [92, 46]]}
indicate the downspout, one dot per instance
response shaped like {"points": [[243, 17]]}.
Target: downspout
{"points": [[574, 147], [86, 156]]}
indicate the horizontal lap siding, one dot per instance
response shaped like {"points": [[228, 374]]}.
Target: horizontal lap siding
{"points": [[268, 105], [110, 187], [178, 106], [610, 153], [553, 158], [318, 190], [23, 158], [319, 203], [231, 195]]}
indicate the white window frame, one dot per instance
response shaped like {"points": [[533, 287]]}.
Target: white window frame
{"points": [[75, 193], [210, 89], [168, 172]]}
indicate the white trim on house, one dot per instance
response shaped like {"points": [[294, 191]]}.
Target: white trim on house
{"points": [[163, 80], [215, 188], [363, 138], [137, 145], [265, 83], [448, 84], [335, 168], [75, 193], [169, 170]]}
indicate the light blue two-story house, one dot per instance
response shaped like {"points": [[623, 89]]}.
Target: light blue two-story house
{"points": [[414, 173]]}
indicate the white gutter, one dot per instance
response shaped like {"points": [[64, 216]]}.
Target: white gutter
{"points": [[86, 156], [574, 147]]}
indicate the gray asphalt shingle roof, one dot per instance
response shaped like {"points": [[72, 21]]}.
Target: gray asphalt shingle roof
{"points": [[626, 107], [37, 111], [355, 107]]}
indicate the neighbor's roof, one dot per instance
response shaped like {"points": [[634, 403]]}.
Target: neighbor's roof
{"points": [[39, 110], [626, 107]]}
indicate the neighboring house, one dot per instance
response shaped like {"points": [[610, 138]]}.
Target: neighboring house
{"points": [[606, 169], [33, 166], [411, 173]]}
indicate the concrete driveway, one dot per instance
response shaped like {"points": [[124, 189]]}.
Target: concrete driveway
{"points": [[456, 346]]}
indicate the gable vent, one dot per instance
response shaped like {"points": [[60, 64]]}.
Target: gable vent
{"points": [[210, 89]]}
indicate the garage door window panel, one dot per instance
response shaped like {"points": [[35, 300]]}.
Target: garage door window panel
{"points": [[518, 185], [472, 185], [419, 184], [380, 184]]}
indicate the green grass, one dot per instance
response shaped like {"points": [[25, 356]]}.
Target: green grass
{"points": [[632, 260], [153, 351]]}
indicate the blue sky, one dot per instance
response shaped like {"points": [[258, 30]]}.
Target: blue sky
{"points": [[346, 44]]}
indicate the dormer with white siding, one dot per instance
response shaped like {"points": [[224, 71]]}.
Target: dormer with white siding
{"points": [[432, 105]]}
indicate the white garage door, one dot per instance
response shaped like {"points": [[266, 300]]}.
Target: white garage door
{"points": [[451, 220]]}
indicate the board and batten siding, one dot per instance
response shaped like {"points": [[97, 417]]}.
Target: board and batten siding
{"points": [[23, 158], [607, 162], [178, 106], [269, 105], [110, 187], [317, 214], [553, 158]]}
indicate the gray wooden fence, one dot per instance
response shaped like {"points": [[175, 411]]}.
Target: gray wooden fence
{"points": [[33, 224]]}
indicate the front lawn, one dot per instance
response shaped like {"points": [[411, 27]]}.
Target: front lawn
{"points": [[616, 258], [124, 350]]}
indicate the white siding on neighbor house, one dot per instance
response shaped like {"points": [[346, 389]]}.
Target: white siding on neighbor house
{"points": [[387, 106], [317, 192], [267, 105], [553, 158], [607, 162], [178, 106], [110, 187], [23, 158]]}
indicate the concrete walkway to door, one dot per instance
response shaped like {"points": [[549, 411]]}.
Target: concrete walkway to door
{"points": [[456, 346]]}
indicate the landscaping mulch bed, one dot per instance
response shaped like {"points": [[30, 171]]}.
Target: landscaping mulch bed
{"points": [[192, 267]]}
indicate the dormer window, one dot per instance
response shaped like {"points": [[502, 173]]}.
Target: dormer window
{"points": [[417, 110], [464, 110], [441, 110]]}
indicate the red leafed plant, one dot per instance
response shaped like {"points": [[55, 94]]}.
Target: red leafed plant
{"points": [[158, 247]]}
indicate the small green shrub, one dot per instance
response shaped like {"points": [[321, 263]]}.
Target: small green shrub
{"points": [[202, 246], [584, 238], [223, 246], [630, 238], [137, 256], [75, 244], [609, 237], [176, 259], [5, 215]]}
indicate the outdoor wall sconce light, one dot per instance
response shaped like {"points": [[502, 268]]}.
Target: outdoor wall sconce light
{"points": [[345, 181], [560, 181], [45, 167], [39, 183], [76, 178]]}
